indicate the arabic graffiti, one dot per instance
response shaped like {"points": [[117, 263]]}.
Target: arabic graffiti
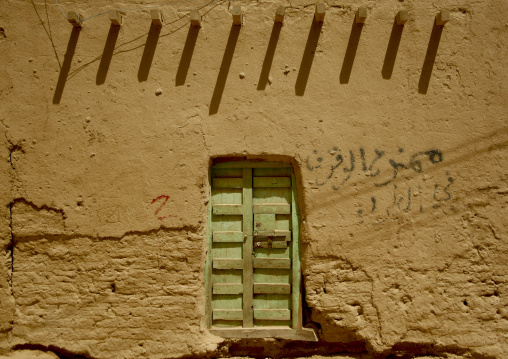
{"points": [[396, 189], [404, 198], [327, 169]]}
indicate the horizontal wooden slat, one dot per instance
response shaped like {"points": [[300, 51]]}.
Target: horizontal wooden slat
{"points": [[227, 209], [281, 263], [276, 208], [272, 181], [227, 236], [270, 244], [251, 164], [227, 288], [277, 235], [287, 333], [227, 183], [271, 288], [228, 314], [272, 314], [227, 263]]}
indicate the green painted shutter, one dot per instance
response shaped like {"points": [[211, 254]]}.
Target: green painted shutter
{"points": [[253, 259]]}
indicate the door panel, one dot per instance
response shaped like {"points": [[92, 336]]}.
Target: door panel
{"points": [[253, 255]]}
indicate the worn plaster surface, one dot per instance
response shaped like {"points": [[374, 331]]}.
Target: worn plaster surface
{"points": [[398, 136]]}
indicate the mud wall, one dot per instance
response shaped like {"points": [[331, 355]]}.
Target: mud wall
{"points": [[398, 136]]}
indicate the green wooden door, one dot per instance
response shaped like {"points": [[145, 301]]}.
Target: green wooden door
{"points": [[253, 262]]}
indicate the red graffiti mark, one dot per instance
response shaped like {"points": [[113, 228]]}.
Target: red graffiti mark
{"points": [[166, 198]]}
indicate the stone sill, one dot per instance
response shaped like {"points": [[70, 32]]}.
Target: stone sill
{"points": [[304, 334]]}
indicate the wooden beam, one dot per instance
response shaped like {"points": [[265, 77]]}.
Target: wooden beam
{"points": [[442, 18], [74, 19], [270, 244], [272, 314], [402, 17], [361, 15], [227, 314], [320, 11], [276, 234], [195, 18], [228, 288], [272, 182], [247, 249], [276, 208], [115, 17], [157, 18], [250, 164], [296, 302], [227, 182], [219, 236], [227, 263], [279, 14], [280, 263], [227, 209], [272, 288], [237, 15]]}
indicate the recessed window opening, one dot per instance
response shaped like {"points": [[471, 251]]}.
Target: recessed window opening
{"points": [[253, 280]]}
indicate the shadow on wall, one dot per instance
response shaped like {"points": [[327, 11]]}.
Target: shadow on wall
{"points": [[308, 57], [430, 58], [111, 48], [188, 51], [224, 69], [66, 66], [270, 51], [148, 52], [349, 56], [107, 54], [391, 50]]}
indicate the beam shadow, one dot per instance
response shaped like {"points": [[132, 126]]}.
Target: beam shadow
{"points": [[185, 60], [224, 69], [107, 54], [270, 51], [430, 58], [66, 66], [148, 52], [391, 50], [308, 57], [349, 56]]}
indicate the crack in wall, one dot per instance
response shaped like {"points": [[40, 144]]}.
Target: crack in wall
{"points": [[54, 237], [66, 235], [10, 249]]}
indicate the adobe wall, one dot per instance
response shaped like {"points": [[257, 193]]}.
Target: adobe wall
{"points": [[398, 137]]}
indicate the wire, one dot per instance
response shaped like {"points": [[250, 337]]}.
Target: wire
{"points": [[90, 17], [144, 7], [60, 9]]}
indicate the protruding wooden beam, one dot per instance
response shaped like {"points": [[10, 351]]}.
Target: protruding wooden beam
{"points": [[279, 14], [157, 18], [402, 17], [237, 15], [116, 17], [74, 19], [361, 15], [442, 18], [195, 18], [320, 12]]}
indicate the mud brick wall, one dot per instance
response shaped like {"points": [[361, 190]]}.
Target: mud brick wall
{"points": [[397, 136]]}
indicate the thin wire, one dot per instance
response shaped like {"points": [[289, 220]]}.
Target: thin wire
{"points": [[61, 9], [90, 17], [144, 7]]}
